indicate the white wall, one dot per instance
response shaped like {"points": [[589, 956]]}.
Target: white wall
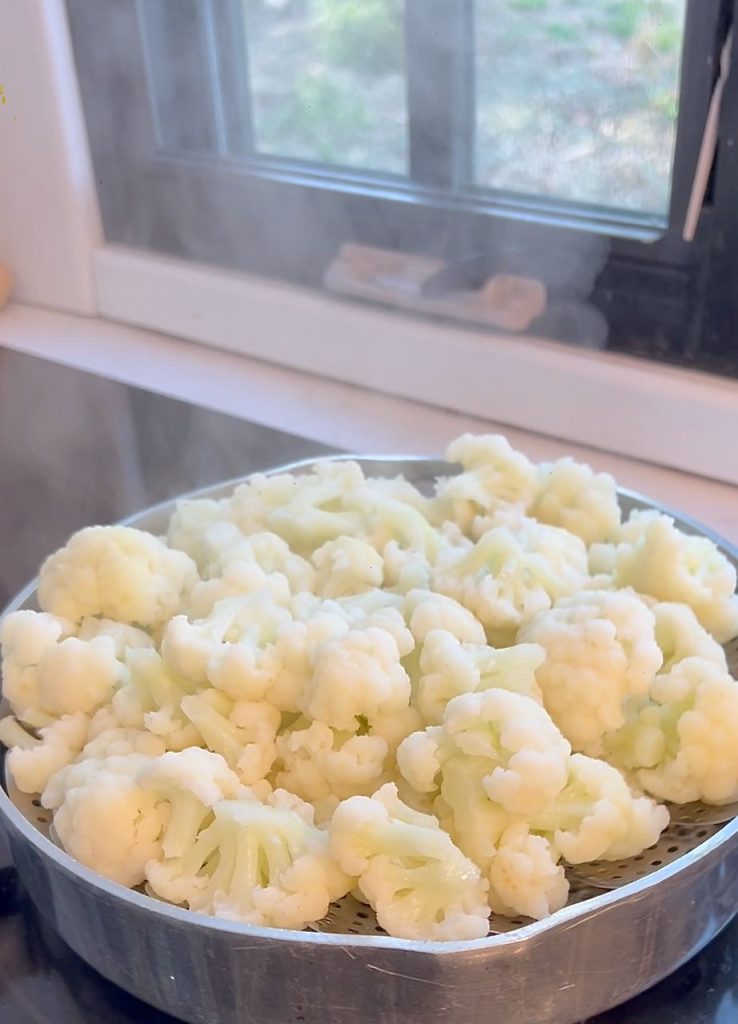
{"points": [[49, 221]]}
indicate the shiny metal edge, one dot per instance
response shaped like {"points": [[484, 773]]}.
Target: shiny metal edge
{"points": [[560, 921]]}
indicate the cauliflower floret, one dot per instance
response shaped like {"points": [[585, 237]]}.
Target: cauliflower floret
{"points": [[597, 817], [232, 649], [658, 559], [524, 875], [572, 496], [124, 637], [449, 668], [346, 566], [324, 766], [600, 651], [190, 523], [527, 755], [119, 741], [32, 761], [427, 611], [191, 782], [149, 699], [259, 864], [511, 574], [680, 635], [519, 759], [405, 569], [494, 475], [243, 732], [105, 819], [305, 510], [682, 743], [419, 884], [118, 573], [388, 516], [47, 673], [358, 675], [235, 565]]}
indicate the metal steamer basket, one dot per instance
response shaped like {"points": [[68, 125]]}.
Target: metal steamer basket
{"points": [[626, 925]]}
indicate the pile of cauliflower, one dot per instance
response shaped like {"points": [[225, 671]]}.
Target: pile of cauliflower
{"points": [[327, 684]]}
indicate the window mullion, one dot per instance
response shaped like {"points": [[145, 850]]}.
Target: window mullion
{"points": [[440, 91], [229, 64]]}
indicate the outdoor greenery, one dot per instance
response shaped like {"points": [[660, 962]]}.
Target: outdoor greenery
{"points": [[576, 98]]}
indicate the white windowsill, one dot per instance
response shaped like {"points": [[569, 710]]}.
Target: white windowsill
{"points": [[336, 414]]}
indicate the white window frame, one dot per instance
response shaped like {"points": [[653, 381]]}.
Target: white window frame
{"points": [[50, 236]]}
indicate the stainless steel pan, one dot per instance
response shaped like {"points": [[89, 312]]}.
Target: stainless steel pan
{"points": [[626, 926]]}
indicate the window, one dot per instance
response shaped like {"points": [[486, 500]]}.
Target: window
{"points": [[527, 163]]}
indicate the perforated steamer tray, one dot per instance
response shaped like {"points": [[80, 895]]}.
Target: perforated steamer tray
{"points": [[626, 925]]}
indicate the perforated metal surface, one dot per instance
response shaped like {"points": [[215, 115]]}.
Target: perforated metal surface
{"points": [[691, 824]]}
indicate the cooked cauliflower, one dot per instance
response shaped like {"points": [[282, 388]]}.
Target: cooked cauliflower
{"points": [[601, 651], [243, 732], [680, 635], [105, 818], [494, 475], [419, 884], [118, 573], [347, 565], [190, 782], [681, 744], [449, 668], [356, 676], [427, 611], [256, 863], [325, 766], [306, 510], [232, 648], [572, 496], [150, 697], [409, 672], [511, 574], [597, 817], [33, 761], [656, 558], [47, 673], [524, 875]]}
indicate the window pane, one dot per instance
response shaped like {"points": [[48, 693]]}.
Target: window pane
{"points": [[327, 81], [577, 99]]}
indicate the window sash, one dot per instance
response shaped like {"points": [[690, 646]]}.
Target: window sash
{"points": [[224, 205]]}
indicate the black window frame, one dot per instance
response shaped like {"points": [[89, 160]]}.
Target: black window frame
{"points": [[209, 198]]}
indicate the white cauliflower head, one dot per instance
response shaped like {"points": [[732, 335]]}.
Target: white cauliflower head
{"points": [[306, 510], [597, 816], [572, 496], [682, 742], [232, 648], [513, 573], [243, 732], [324, 766], [600, 651], [358, 675], [427, 611], [347, 565], [494, 475], [420, 885], [658, 559], [104, 818], [524, 876], [47, 673], [116, 572], [34, 760], [262, 864], [449, 668], [680, 635]]}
